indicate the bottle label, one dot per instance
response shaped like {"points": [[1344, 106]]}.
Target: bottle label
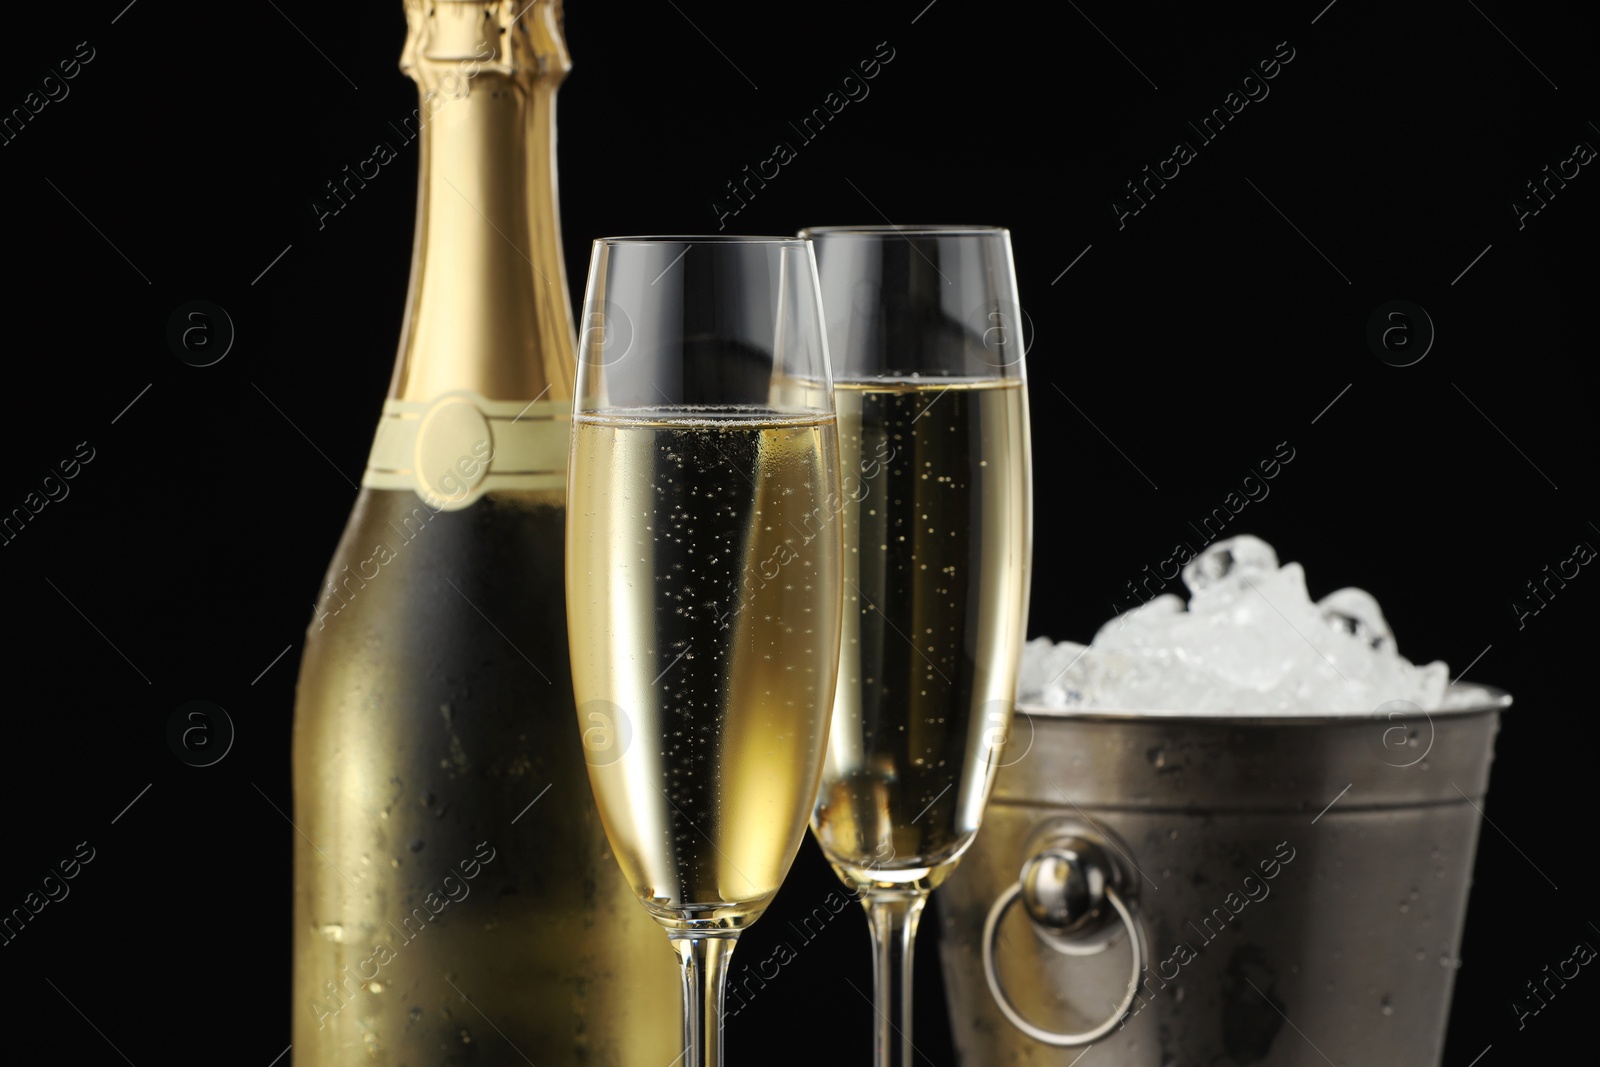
{"points": [[457, 447]]}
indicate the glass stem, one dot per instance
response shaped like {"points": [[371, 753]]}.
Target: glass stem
{"points": [[705, 979], [893, 917]]}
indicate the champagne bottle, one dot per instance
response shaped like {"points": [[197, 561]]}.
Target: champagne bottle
{"points": [[455, 898]]}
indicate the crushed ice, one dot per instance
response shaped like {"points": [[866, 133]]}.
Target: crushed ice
{"points": [[1251, 641]]}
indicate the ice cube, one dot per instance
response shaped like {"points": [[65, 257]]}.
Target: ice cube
{"points": [[1030, 669], [1147, 624], [1236, 557], [1466, 695], [1431, 682], [1258, 638], [1126, 680], [1355, 612], [1043, 677]]}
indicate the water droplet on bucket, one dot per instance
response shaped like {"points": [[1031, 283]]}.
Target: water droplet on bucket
{"points": [[1385, 1006]]}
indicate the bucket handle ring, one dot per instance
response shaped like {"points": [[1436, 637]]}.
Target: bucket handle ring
{"points": [[991, 928]]}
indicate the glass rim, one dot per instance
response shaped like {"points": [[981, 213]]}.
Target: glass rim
{"points": [[701, 239], [925, 230]]}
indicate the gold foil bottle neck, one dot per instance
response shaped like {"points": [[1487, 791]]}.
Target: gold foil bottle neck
{"points": [[488, 311], [451, 41]]}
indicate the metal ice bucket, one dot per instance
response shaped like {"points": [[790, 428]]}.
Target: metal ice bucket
{"points": [[1295, 889]]}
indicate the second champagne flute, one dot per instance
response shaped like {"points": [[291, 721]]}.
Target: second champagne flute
{"points": [[703, 580], [924, 332]]}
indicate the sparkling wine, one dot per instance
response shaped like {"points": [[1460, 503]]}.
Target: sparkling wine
{"points": [[455, 899], [936, 520], [703, 562]]}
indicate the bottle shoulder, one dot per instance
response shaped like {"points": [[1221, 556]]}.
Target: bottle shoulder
{"points": [[404, 571]]}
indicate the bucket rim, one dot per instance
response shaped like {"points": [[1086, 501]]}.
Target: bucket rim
{"points": [[1494, 699]]}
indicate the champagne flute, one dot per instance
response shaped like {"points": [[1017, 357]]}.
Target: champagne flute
{"points": [[703, 580], [925, 333]]}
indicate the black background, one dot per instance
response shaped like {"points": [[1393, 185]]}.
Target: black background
{"points": [[1212, 326]]}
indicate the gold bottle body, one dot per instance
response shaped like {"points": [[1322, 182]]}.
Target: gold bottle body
{"points": [[438, 917]]}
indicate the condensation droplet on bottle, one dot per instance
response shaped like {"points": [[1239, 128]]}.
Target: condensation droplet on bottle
{"points": [[333, 932], [416, 844], [1421, 955], [414, 1014], [370, 1040], [1385, 1006], [374, 987], [466, 1037]]}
